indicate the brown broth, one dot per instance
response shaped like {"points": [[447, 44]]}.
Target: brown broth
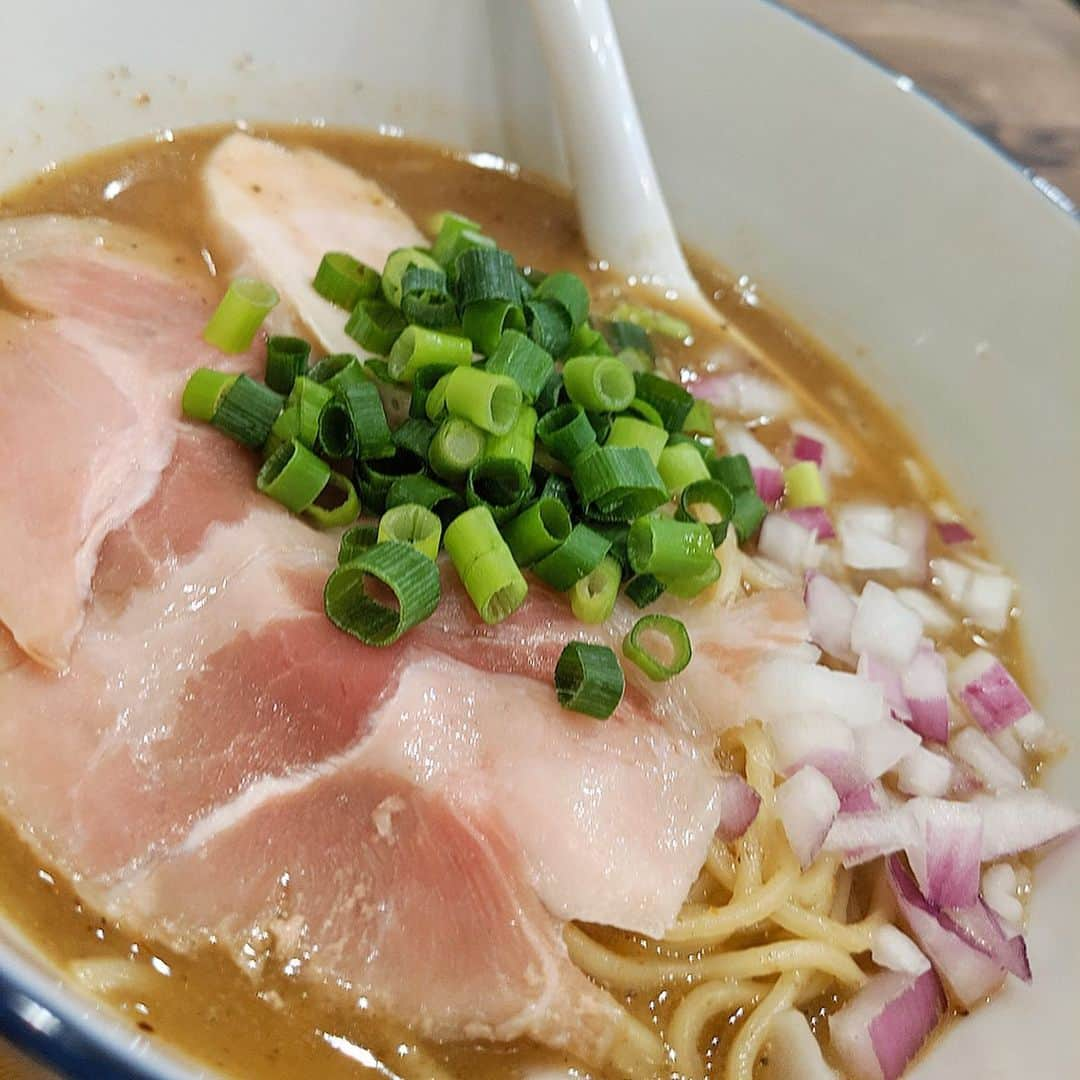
{"points": [[273, 1026]]}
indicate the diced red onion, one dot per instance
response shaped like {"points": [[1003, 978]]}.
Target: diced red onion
{"points": [[814, 518], [879, 747], [864, 799], [981, 928], [743, 393], [1022, 821], [835, 459], [794, 1052], [807, 449], [925, 686], [739, 805], [769, 484], [888, 678], [830, 611], [923, 772], [935, 616], [946, 854], [784, 688], [807, 805], [999, 893], [861, 837], [954, 532], [866, 541], [988, 692], [911, 530], [879, 1031], [984, 594], [970, 973], [892, 949], [884, 627], [823, 742], [994, 770], [785, 541]]}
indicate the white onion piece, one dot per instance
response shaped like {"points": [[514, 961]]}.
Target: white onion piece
{"points": [[925, 686], [1000, 893], [946, 853], [807, 806], [866, 538], [814, 518], [994, 770], [935, 616], [744, 394], [892, 949], [830, 611], [785, 541], [880, 747], [923, 772], [983, 593], [879, 1031], [884, 627], [823, 742], [739, 807], [970, 973], [783, 688], [793, 1052], [1022, 821], [988, 692], [768, 473], [888, 678]]}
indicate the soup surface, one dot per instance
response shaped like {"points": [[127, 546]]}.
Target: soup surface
{"points": [[261, 1017]]}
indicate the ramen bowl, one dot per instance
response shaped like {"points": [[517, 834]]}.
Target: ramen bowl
{"points": [[945, 276]]}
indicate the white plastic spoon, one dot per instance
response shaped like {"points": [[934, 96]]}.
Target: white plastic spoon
{"points": [[622, 209]]}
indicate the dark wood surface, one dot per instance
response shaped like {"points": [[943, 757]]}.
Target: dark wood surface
{"points": [[1010, 67]]}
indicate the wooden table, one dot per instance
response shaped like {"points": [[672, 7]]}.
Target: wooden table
{"points": [[1010, 67]]}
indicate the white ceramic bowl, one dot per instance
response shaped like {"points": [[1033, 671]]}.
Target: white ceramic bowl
{"points": [[946, 277]]}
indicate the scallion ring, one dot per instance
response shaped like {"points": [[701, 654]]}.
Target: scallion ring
{"points": [[589, 679], [663, 659]]}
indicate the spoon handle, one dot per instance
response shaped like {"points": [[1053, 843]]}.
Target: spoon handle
{"points": [[622, 209]]}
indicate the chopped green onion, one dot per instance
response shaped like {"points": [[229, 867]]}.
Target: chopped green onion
{"points": [[680, 465], [397, 263], [618, 483], [686, 588], [247, 412], [636, 361], [345, 281], [373, 439], [455, 448], [417, 347], [337, 365], [309, 398], [376, 369], [426, 299], [601, 424], [336, 436], [550, 397], [485, 565], [245, 305], [293, 476], [646, 412], [615, 532], [628, 335], [588, 342], [414, 436], [491, 402], [204, 392], [375, 478], [355, 541], [629, 431], [651, 319], [748, 514], [375, 325], [699, 420], [709, 502], [549, 326], [668, 548], [803, 486], [466, 240], [733, 472], [579, 554], [600, 383], [486, 321], [447, 227], [286, 358], [518, 444], [286, 428], [411, 576], [502, 485], [414, 525], [423, 491], [566, 432], [645, 589], [435, 403], [676, 647], [343, 512], [592, 598], [538, 530], [668, 398], [556, 487], [569, 292], [424, 382], [523, 361], [486, 274], [589, 679]]}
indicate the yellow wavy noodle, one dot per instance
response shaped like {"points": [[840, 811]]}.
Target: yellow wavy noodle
{"points": [[756, 936]]}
